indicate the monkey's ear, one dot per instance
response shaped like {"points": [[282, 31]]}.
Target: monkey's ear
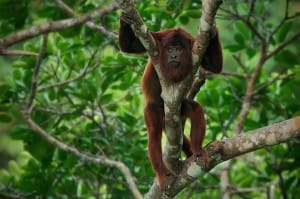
{"points": [[213, 57], [129, 43]]}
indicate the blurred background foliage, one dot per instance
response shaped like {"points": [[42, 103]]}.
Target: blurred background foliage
{"points": [[101, 110]]}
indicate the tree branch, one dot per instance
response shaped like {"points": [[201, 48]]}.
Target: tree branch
{"points": [[54, 26], [246, 21], [90, 24], [197, 84], [283, 45], [84, 72], [35, 74], [220, 151], [16, 52]]}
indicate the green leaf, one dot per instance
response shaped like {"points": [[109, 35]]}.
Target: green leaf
{"points": [[5, 118], [194, 13], [184, 19], [288, 57], [239, 39], [4, 107], [234, 48], [107, 83], [242, 29], [129, 119], [152, 9], [5, 176], [20, 132], [105, 99], [19, 64], [14, 167], [297, 74], [242, 8], [284, 30], [250, 52]]}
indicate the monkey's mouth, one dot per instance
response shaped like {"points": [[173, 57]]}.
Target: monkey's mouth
{"points": [[174, 64]]}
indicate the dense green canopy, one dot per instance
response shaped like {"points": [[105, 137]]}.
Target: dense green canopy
{"points": [[89, 97]]}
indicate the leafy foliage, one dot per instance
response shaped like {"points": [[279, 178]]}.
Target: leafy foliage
{"points": [[90, 98]]}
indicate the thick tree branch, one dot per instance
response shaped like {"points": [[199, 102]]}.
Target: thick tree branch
{"points": [[197, 84], [207, 20], [140, 29], [220, 151], [267, 136]]}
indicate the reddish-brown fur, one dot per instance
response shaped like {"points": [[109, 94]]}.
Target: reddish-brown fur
{"points": [[154, 109]]}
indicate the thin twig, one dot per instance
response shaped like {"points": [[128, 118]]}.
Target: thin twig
{"points": [[252, 6], [35, 73], [240, 63], [84, 72], [283, 20], [283, 45], [90, 24], [16, 52], [267, 84], [246, 22], [232, 74], [294, 16], [59, 84], [249, 92]]}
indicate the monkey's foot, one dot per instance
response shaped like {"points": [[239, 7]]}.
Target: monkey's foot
{"points": [[204, 154], [165, 179]]}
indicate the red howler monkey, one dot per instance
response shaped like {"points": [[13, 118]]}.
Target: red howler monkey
{"points": [[175, 61]]}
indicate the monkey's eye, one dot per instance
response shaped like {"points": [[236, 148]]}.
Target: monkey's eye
{"points": [[170, 49], [178, 48], [174, 49]]}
